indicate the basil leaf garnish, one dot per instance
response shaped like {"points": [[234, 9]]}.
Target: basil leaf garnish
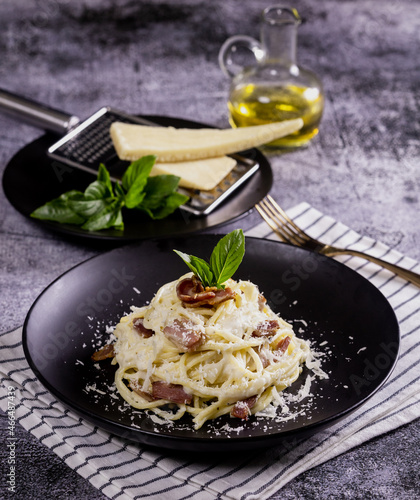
{"points": [[224, 260], [198, 266], [227, 255]]}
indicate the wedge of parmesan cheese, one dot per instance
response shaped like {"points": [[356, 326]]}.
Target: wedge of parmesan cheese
{"points": [[169, 144], [197, 174]]}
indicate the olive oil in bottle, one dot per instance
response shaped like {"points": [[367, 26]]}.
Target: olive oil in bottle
{"points": [[259, 104], [275, 88]]}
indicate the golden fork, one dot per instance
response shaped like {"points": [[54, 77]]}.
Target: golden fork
{"points": [[289, 232]]}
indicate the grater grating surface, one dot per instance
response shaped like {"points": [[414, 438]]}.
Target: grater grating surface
{"points": [[90, 144]]}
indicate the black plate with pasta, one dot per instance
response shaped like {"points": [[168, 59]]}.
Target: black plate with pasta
{"points": [[344, 316]]}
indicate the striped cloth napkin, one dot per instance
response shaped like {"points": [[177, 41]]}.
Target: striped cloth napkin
{"points": [[123, 470]]}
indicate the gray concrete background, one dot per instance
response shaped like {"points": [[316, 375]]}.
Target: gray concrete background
{"points": [[157, 57]]}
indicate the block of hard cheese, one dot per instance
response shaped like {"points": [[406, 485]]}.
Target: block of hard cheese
{"points": [[203, 174], [170, 144]]}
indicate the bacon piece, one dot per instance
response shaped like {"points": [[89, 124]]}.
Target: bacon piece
{"points": [[192, 290], [193, 294], [242, 409], [134, 386], [282, 346], [162, 390], [104, 353], [266, 328], [141, 329], [172, 392], [220, 295], [184, 334], [278, 351], [264, 358]]}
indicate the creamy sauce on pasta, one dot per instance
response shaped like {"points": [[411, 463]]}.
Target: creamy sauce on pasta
{"points": [[239, 357]]}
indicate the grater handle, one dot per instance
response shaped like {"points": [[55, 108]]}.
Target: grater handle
{"points": [[36, 114]]}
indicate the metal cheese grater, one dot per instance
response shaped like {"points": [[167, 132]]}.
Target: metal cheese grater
{"points": [[86, 144]]}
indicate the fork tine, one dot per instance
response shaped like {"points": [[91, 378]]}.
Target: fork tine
{"points": [[280, 222], [278, 225], [276, 228], [288, 220], [282, 225], [281, 219]]}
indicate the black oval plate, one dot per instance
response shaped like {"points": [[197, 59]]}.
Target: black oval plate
{"points": [[31, 179], [345, 316]]}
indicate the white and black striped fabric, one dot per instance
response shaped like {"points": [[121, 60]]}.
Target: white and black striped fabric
{"points": [[123, 470]]}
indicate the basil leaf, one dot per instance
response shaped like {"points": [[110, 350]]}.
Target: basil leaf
{"points": [[172, 202], [87, 208], [169, 205], [135, 168], [105, 178], [58, 210], [135, 178], [107, 217], [97, 190], [227, 255], [72, 195], [119, 222], [158, 188], [161, 198], [119, 191], [198, 266], [224, 260]]}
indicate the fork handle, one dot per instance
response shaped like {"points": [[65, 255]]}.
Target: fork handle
{"points": [[400, 271]]}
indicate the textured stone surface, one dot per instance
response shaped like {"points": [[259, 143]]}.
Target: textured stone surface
{"points": [[160, 57]]}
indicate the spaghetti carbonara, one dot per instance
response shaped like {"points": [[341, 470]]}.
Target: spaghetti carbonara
{"points": [[207, 356]]}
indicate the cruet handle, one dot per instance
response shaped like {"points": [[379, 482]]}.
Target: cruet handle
{"points": [[231, 48]]}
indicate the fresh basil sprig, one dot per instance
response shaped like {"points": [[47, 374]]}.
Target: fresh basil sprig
{"points": [[100, 205], [224, 260]]}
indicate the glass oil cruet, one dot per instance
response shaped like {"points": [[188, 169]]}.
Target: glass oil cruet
{"points": [[275, 88]]}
